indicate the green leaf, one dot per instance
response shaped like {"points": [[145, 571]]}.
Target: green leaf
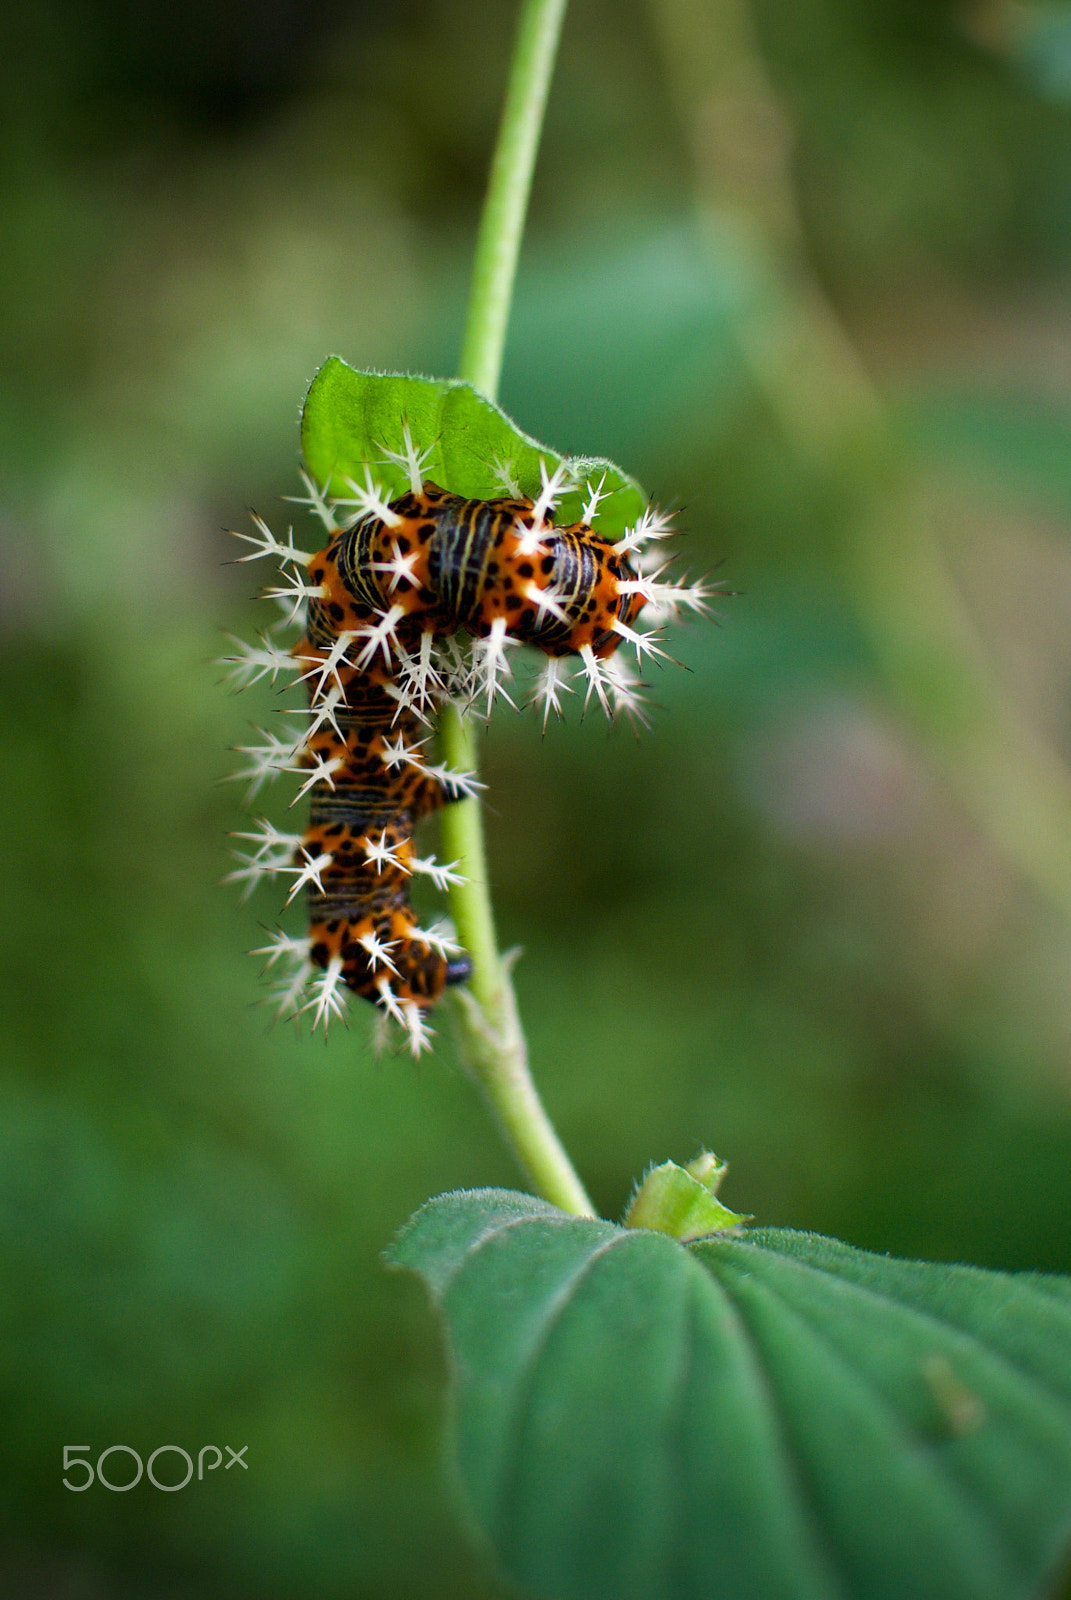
{"points": [[770, 1415], [681, 1201], [351, 419]]}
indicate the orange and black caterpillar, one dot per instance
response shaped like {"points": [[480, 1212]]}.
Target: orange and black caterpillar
{"points": [[383, 602]]}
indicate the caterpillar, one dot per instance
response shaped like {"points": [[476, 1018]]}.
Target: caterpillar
{"points": [[383, 604]]}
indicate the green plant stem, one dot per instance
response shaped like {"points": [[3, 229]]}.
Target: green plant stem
{"points": [[489, 1025], [502, 223], [490, 1028]]}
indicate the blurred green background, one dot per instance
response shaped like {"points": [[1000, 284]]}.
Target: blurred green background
{"points": [[803, 270]]}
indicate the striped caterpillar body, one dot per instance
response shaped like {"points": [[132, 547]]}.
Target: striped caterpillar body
{"points": [[382, 604]]}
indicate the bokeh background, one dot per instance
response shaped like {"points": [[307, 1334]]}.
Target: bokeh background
{"points": [[801, 268]]}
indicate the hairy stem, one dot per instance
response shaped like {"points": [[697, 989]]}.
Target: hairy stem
{"points": [[487, 1015]]}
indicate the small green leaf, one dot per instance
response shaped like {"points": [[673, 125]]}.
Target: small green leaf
{"points": [[770, 1415], [681, 1201], [351, 419]]}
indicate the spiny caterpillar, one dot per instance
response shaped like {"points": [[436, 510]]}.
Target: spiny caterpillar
{"points": [[382, 605]]}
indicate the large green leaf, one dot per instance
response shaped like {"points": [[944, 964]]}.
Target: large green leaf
{"points": [[352, 418], [772, 1416]]}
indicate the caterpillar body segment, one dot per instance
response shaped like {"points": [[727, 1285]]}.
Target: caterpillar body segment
{"points": [[464, 564]]}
